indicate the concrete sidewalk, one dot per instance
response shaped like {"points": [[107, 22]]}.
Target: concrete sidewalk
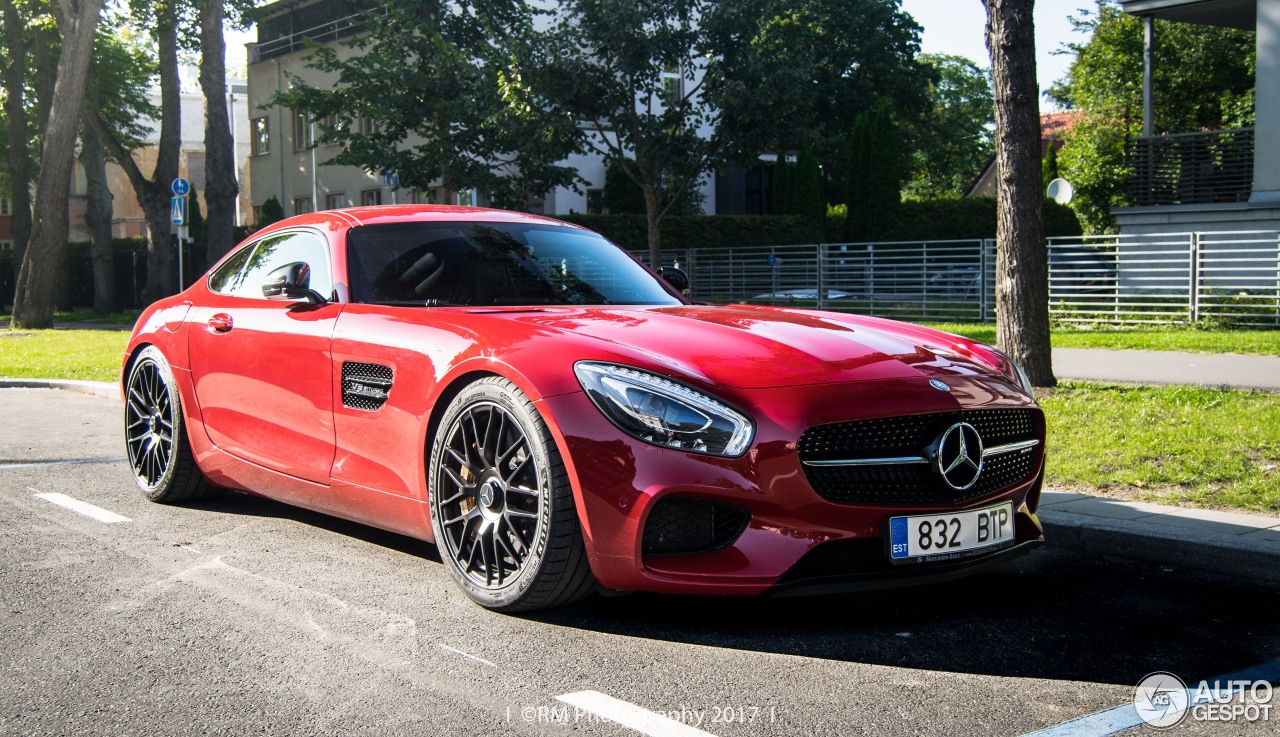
{"points": [[1169, 367], [1243, 545]]}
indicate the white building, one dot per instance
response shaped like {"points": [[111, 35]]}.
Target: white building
{"points": [[128, 220]]}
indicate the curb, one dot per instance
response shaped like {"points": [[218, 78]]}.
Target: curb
{"points": [[106, 389], [1133, 539]]}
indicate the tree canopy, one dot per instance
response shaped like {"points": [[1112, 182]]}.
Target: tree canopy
{"points": [[1204, 80], [953, 142], [434, 91]]}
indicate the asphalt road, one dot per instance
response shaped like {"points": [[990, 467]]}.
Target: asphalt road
{"points": [[243, 616]]}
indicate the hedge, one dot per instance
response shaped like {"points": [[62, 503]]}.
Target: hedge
{"points": [[709, 232], [962, 219]]}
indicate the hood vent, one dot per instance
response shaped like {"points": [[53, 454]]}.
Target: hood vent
{"points": [[366, 386]]}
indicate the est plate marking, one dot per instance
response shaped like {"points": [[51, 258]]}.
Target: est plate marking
{"points": [[942, 533]]}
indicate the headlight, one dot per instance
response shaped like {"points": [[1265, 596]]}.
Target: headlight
{"points": [[1011, 369], [657, 410]]}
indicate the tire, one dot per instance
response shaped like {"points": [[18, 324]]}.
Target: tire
{"points": [[155, 433], [501, 506]]}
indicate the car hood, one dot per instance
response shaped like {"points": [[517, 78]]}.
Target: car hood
{"points": [[753, 347]]}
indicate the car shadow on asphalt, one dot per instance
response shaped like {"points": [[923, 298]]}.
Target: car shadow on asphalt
{"points": [[1052, 614], [239, 503]]}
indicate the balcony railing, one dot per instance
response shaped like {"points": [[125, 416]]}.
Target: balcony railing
{"points": [[1190, 168]]}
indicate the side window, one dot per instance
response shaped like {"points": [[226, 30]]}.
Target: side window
{"points": [[225, 278], [272, 253]]}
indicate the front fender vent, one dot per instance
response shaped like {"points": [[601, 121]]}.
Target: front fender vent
{"points": [[366, 386]]}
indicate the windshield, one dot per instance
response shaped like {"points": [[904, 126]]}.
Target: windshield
{"points": [[464, 263]]}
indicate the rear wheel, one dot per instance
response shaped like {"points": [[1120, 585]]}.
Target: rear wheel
{"points": [[155, 434], [501, 506]]}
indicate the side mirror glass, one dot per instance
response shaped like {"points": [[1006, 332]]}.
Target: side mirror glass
{"points": [[291, 282], [675, 277]]}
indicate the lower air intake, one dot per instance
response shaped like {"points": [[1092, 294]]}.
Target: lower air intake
{"points": [[682, 525]]}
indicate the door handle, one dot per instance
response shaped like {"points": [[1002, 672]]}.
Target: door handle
{"points": [[221, 323]]}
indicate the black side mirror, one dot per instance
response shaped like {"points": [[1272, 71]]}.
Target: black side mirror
{"points": [[291, 282], [675, 277]]}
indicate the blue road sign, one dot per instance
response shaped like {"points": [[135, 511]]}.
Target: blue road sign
{"points": [[391, 179], [178, 209], [181, 187]]}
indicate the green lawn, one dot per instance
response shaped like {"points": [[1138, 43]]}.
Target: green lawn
{"points": [[1210, 447], [1260, 342], [94, 355], [116, 318]]}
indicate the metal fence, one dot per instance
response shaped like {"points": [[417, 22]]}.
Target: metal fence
{"points": [[1229, 278]]}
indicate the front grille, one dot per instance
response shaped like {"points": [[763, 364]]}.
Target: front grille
{"points": [[682, 525], [365, 386], [916, 484]]}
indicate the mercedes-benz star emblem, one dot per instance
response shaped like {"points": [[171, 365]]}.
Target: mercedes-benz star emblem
{"points": [[939, 385], [958, 457]]}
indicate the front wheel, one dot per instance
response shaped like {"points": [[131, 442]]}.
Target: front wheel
{"points": [[501, 506], [155, 434]]}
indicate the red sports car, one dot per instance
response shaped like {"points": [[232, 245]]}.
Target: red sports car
{"points": [[557, 418]]}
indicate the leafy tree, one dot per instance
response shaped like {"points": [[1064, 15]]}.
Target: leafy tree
{"points": [[831, 62], [953, 142], [621, 195], [884, 186], [1204, 80], [874, 183], [161, 17], [270, 212], [857, 185], [806, 185], [448, 75], [1049, 167], [666, 88], [784, 187], [34, 296], [118, 91], [27, 70], [1022, 261]]}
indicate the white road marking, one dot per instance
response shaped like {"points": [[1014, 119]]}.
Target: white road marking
{"points": [[630, 715], [85, 508], [61, 463], [467, 655]]}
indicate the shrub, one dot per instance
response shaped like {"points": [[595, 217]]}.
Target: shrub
{"points": [[704, 232], [962, 219]]}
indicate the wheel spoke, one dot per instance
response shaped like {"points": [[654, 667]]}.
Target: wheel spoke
{"points": [[516, 471], [521, 515], [458, 482], [475, 435], [523, 490]]}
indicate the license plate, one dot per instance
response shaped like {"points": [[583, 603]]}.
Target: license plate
{"points": [[949, 533]]}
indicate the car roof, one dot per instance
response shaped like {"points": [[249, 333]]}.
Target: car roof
{"points": [[351, 217]]}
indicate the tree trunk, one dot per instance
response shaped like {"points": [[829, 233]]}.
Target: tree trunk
{"points": [[653, 213], [98, 218], [1022, 263], [33, 303], [220, 159], [15, 68], [154, 199]]}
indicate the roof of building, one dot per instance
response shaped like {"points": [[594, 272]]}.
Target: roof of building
{"points": [[1054, 128]]}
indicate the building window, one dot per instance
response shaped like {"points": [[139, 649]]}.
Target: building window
{"points": [[260, 136], [424, 197], [302, 206], [672, 84], [465, 198], [370, 197], [363, 124], [6, 245], [335, 201], [301, 131], [6, 207], [595, 201]]}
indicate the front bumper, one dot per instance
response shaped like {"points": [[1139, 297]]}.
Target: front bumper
{"points": [[617, 480]]}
